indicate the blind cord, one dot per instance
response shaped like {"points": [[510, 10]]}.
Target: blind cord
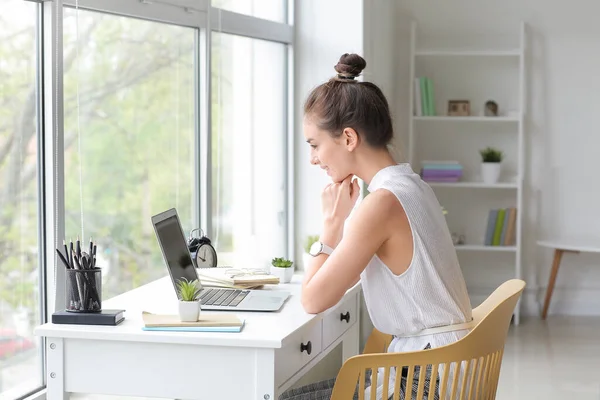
{"points": [[79, 154]]}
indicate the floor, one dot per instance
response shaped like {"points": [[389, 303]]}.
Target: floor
{"points": [[550, 360], [554, 359]]}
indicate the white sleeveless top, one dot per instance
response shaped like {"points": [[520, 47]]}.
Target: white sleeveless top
{"points": [[432, 291]]}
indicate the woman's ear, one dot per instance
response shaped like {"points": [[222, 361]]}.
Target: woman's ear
{"points": [[351, 138]]}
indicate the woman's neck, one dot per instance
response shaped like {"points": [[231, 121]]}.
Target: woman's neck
{"points": [[372, 161]]}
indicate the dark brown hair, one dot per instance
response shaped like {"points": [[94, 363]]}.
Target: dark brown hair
{"points": [[344, 102]]}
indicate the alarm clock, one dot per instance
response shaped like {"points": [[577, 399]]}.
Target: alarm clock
{"points": [[202, 251]]}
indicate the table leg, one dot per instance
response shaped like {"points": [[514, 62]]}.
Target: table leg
{"points": [[55, 387], [558, 253], [555, 265]]}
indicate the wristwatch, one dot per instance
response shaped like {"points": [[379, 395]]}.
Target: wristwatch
{"points": [[318, 248]]}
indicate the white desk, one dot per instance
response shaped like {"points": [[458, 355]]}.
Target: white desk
{"points": [[561, 246], [260, 362]]}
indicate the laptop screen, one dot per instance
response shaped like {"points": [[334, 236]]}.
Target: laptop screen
{"points": [[174, 246]]}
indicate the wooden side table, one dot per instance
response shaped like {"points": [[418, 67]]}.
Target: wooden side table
{"points": [[561, 246]]}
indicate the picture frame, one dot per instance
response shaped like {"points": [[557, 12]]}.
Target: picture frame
{"points": [[459, 108]]}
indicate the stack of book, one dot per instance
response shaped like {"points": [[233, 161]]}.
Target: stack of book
{"points": [[441, 171], [501, 227], [237, 278], [209, 322]]}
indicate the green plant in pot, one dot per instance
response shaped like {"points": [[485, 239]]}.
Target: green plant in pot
{"points": [[491, 164], [189, 300], [306, 257], [283, 269]]}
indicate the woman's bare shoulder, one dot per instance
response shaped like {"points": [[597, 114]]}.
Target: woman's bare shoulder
{"points": [[378, 207]]}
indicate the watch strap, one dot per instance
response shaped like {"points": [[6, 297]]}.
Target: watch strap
{"points": [[326, 249]]}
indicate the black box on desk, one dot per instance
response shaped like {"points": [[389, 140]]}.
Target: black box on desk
{"points": [[104, 317]]}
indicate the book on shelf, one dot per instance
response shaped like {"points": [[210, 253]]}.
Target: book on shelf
{"points": [[501, 227], [424, 98], [441, 171]]}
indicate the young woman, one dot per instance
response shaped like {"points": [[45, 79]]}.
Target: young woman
{"points": [[397, 243]]}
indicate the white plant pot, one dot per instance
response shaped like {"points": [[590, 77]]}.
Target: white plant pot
{"points": [[306, 258], [490, 172], [189, 311], [284, 274]]}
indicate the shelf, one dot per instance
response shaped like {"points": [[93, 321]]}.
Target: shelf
{"points": [[480, 247], [475, 185], [468, 53], [445, 118]]}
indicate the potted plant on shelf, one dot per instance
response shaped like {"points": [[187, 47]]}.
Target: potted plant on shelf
{"points": [[283, 269], [306, 257], [491, 163], [189, 300]]}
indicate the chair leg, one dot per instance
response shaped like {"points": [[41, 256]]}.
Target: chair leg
{"points": [[555, 265]]}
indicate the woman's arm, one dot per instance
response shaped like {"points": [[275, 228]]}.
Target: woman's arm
{"points": [[328, 277]]}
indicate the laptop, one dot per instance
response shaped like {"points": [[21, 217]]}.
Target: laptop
{"points": [[176, 254]]}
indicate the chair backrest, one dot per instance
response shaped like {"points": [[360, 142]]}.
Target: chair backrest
{"points": [[466, 369]]}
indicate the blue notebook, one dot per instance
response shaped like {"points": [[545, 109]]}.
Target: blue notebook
{"points": [[207, 322], [195, 328]]}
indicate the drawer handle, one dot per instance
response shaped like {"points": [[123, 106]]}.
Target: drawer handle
{"points": [[307, 347], [345, 317]]}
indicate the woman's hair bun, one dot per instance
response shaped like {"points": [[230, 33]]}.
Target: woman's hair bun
{"points": [[350, 65]]}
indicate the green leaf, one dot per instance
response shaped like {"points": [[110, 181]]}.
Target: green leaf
{"points": [[490, 154], [188, 290], [281, 262]]}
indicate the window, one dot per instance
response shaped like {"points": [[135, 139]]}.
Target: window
{"points": [[20, 351], [248, 140], [274, 10], [129, 139]]}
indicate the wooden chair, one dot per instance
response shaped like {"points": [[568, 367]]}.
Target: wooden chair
{"points": [[479, 354]]}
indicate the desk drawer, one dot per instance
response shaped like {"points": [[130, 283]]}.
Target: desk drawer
{"points": [[297, 352], [338, 320]]}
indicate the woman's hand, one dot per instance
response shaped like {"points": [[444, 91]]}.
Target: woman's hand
{"points": [[338, 199]]}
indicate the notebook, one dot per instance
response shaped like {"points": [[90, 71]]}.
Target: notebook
{"points": [[239, 278], [206, 323], [104, 317]]}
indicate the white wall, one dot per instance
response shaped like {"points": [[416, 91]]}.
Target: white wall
{"points": [[324, 31], [564, 102]]}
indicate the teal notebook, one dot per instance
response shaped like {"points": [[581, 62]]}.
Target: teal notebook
{"points": [[195, 328], [207, 322]]}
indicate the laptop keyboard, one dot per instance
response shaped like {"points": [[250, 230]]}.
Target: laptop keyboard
{"points": [[222, 297]]}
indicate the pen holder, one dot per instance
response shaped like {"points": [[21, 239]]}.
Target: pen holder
{"points": [[83, 290]]}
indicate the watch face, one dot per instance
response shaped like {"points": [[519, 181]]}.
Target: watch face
{"points": [[206, 257], [315, 249]]}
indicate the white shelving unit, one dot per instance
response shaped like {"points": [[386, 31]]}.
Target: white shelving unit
{"points": [[488, 71]]}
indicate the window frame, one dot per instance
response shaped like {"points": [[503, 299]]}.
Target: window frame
{"points": [[50, 118]]}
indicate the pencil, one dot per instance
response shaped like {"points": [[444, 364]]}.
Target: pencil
{"points": [[78, 249], [62, 258], [71, 254], [91, 247], [67, 254]]}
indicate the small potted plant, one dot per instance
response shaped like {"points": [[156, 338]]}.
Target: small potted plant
{"points": [[189, 300], [283, 269], [491, 163], [306, 257]]}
